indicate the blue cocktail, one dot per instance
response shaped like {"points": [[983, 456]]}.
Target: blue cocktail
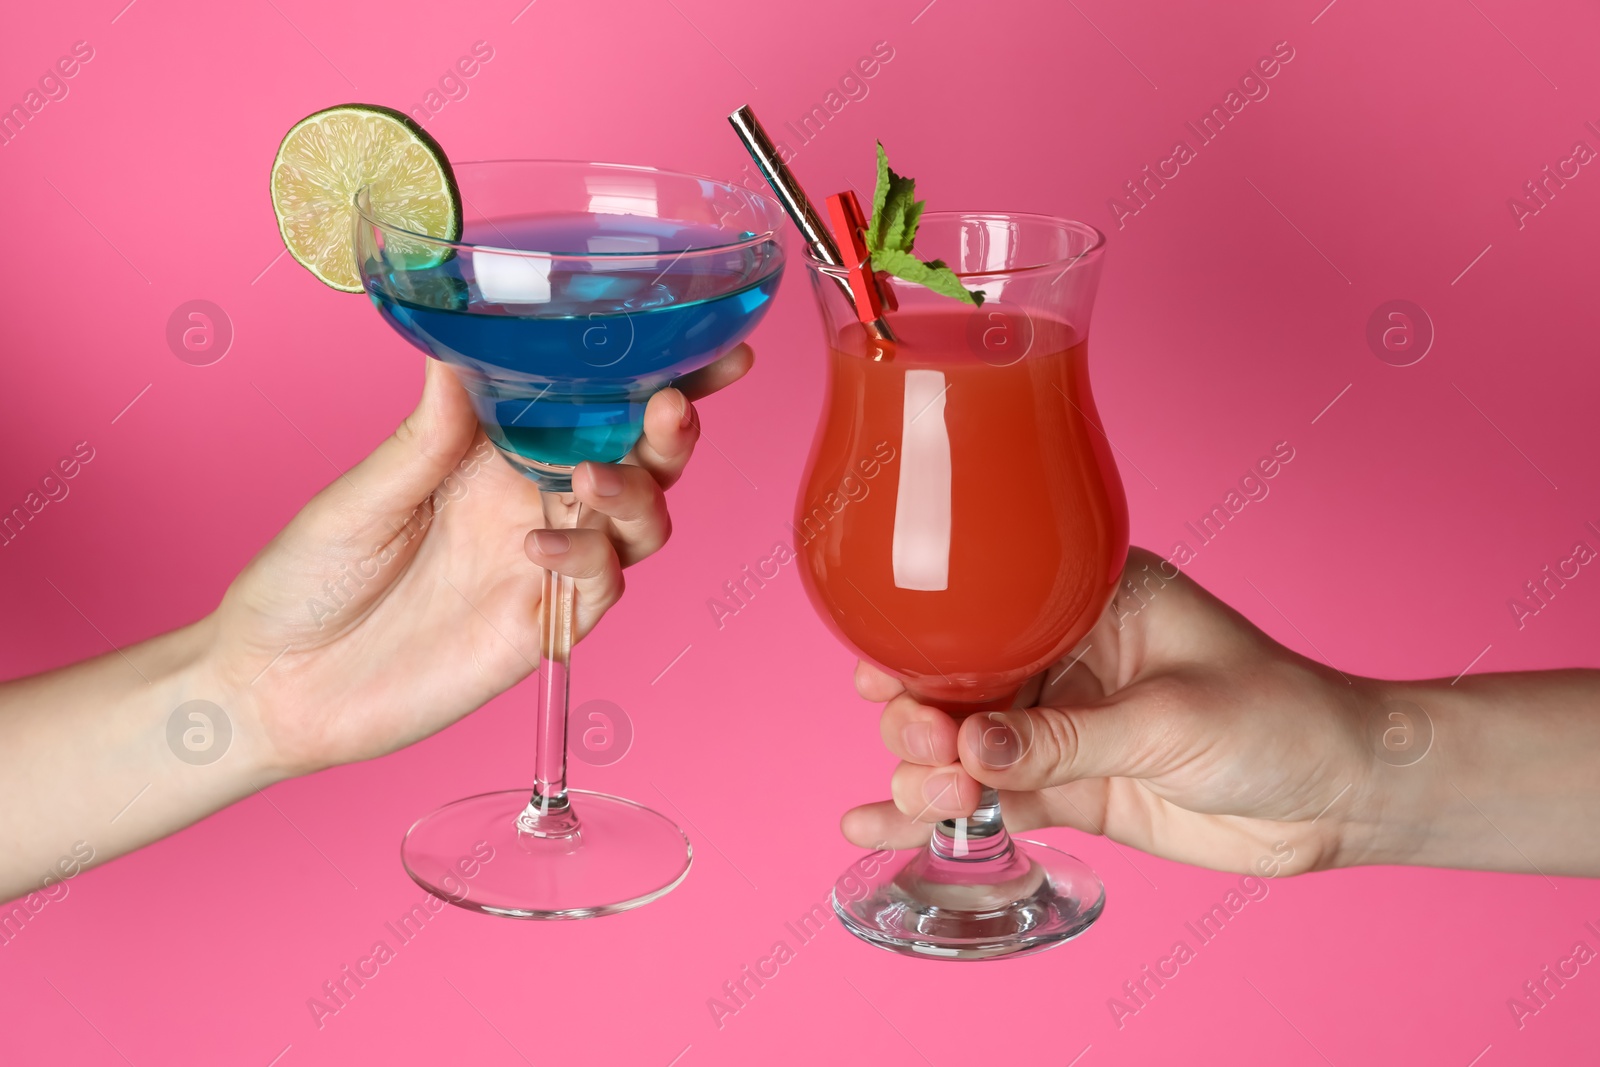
{"points": [[564, 378], [577, 291], [566, 322]]}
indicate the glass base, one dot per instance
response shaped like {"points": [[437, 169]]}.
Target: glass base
{"points": [[929, 906], [474, 854]]}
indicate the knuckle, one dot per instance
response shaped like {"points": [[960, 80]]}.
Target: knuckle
{"points": [[592, 555], [422, 435], [1058, 744], [649, 533], [602, 591], [641, 500], [1168, 699]]}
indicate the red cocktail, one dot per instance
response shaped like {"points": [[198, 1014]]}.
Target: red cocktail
{"points": [[962, 525]]}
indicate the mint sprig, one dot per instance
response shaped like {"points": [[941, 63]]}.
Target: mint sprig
{"points": [[892, 229]]}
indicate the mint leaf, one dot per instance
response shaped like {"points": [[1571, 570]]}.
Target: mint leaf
{"points": [[903, 214], [895, 210], [896, 213], [880, 193], [933, 274]]}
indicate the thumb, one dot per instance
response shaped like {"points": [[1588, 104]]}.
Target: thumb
{"points": [[1034, 748], [406, 468]]}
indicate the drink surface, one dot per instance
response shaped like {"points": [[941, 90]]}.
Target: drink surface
{"points": [[561, 355], [962, 523]]}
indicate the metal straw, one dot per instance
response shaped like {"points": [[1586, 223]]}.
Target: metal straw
{"points": [[797, 204]]}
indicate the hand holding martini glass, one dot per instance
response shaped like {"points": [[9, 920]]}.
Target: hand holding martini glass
{"points": [[565, 295]]}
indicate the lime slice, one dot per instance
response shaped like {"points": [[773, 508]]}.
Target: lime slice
{"points": [[328, 156]]}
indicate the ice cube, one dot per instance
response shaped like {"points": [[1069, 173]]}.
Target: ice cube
{"points": [[508, 277]]}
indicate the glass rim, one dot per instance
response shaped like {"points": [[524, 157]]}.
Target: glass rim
{"points": [[1095, 249], [763, 202]]}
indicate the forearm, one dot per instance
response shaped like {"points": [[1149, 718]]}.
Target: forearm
{"points": [[1510, 782], [86, 766]]}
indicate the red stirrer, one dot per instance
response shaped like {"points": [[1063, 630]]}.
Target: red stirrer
{"points": [[849, 224]]}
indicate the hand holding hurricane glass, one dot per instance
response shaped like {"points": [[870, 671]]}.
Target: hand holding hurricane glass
{"points": [[985, 551], [961, 520]]}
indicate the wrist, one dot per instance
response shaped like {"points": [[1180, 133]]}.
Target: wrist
{"points": [[1395, 811], [214, 674]]}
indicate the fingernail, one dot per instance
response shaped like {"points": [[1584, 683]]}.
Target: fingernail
{"points": [[999, 744], [686, 420], [607, 479], [917, 738], [940, 791], [551, 542]]}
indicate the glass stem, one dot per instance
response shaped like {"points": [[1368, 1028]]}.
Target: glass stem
{"points": [[549, 813], [979, 838]]}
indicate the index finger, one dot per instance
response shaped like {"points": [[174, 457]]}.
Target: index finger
{"points": [[671, 428], [727, 369], [671, 424]]}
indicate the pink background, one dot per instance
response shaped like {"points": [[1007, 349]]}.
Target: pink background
{"points": [[1233, 312]]}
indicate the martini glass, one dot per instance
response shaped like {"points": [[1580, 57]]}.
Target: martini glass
{"points": [[962, 525], [577, 291]]}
